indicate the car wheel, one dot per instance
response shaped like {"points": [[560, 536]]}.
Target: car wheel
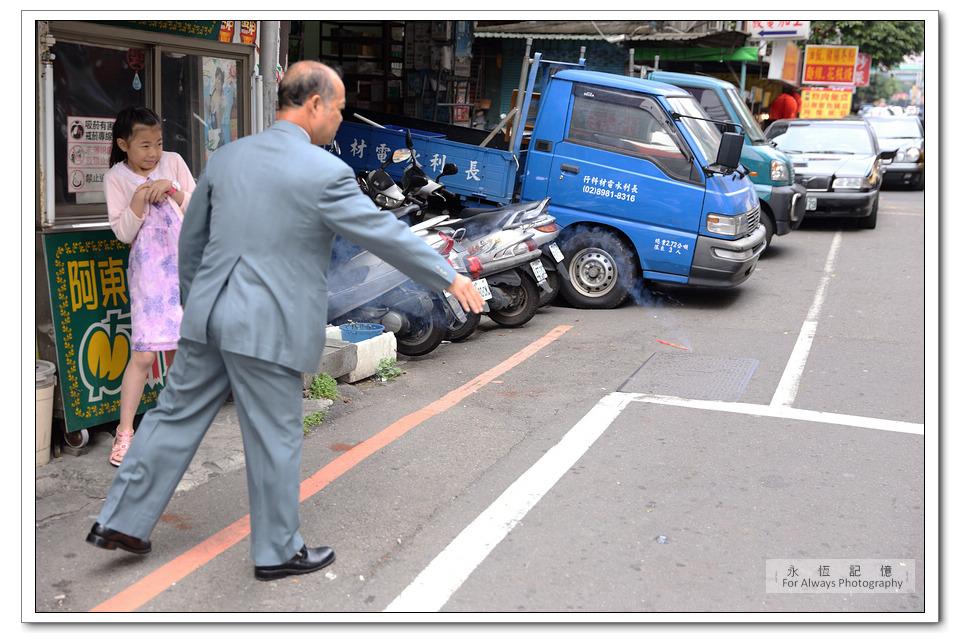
{"points": [[769, 226], [602, 270], [870, 221]]}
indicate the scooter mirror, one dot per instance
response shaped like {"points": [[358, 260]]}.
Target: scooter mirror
{"points": [[401, 155], [449, 169], [414, 183]]}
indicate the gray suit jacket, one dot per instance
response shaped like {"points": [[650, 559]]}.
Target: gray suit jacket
{"points": [[260, 227]]}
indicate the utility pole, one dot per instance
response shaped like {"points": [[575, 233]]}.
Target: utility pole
{"points": [[269, 53]]}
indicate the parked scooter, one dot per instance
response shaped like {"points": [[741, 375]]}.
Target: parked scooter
{"points": [[547, 271], [363, 288], [494, 246]]}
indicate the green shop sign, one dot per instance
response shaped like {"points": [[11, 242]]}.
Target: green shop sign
{"points": [[91, 319], [203, 29], [697, 54]]}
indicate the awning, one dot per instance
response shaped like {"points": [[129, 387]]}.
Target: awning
{"points": [[697, 54]]}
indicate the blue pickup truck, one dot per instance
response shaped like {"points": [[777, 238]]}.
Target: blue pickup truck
{"points": [[782, 199], [643, 182]]}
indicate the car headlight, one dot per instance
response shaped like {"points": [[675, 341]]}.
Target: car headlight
{"points": [[731, 226], [848, 183], [779, 171], [910, 155]]}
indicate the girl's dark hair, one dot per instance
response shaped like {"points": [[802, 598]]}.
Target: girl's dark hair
{"points": [[123, 127]]}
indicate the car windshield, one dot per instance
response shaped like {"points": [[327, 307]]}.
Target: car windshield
{"points": [[750, 127], [809, 137], [896, 128], [705, 133]]}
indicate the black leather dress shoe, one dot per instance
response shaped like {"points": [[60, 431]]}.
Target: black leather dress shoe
{"points": [[306, 561], [100, 536]]}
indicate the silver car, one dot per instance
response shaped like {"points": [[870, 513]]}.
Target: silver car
{"points": [[904, 136]]}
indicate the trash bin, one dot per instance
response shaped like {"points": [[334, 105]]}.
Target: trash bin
{"points": [[46, 380]]}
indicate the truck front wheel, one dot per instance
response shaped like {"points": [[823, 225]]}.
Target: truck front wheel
{"points": [[602, 270]]}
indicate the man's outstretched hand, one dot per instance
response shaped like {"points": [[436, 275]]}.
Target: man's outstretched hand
{"points": [[465, 292]]}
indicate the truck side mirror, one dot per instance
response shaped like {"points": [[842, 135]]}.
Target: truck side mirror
{"points": [[728, 156]]}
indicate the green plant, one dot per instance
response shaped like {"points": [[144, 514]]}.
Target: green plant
{"points": [[387, 369], [324, 386], [313, 419]]}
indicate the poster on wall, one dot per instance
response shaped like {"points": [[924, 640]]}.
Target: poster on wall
{"points": [[88, 156], [219, 97]]}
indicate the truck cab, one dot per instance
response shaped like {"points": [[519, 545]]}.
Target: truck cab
{"points": [[781, 197], [630, 169]]}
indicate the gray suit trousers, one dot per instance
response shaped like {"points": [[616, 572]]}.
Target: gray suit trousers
{"points": [[269, 402]]}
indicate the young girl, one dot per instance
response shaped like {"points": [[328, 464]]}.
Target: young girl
{"points": [[147, 192]]}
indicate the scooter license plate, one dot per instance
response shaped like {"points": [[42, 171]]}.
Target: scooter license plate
{"points": [[811, 203], [483, 288], [538, 270], [555, 251]]}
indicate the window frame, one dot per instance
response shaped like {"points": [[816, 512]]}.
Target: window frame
{"points": [[623, 97], [154, 45]]}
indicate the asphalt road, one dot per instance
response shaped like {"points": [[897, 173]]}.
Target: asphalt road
{"points": [[695, 452]]}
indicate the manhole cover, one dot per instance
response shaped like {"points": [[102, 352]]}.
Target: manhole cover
{"points": [[697, 377]]}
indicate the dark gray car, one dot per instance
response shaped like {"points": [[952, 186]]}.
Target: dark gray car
{"points": [[838, 161]]}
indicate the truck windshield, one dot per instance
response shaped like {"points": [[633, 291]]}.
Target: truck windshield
{"points": [[750, 126], [705, 133]]}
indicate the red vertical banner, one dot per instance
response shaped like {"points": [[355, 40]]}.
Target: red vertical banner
{"points": [[861, 75], [227, 28], [248, 31]]}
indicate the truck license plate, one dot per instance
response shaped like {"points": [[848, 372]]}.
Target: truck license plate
{"points": [[555, 251], [483, 288], [538, 271], [811, 203]]}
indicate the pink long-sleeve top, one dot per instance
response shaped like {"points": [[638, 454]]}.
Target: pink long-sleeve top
{"points": [[119, 185]]}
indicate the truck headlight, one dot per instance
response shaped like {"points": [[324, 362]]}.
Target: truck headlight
{"points": [[730, 226], [848, 183], [778, 171]]}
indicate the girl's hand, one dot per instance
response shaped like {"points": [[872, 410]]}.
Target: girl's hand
{"points": [[155, 191]]}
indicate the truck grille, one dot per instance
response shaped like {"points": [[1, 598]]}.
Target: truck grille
{"points": [[753, 220]]}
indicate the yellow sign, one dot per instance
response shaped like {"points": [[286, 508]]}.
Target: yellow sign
{"points": [[828, 65], [825, 103]]}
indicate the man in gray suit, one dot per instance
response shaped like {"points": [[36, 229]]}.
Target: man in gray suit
{"points": [[254, 251]]}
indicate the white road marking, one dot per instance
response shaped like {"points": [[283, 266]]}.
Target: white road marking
{"points": [[447, 572], [785, 412], [786, 391]]}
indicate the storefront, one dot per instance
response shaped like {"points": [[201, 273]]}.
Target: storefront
{"points": [[198, 76]]}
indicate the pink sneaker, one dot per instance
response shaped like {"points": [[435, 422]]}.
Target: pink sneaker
{"points": [[120, 445]]}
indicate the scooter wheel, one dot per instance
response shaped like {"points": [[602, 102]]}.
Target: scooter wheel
{"points": [[457, 332], [524, 302], [426, 333], [553, 280]]}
